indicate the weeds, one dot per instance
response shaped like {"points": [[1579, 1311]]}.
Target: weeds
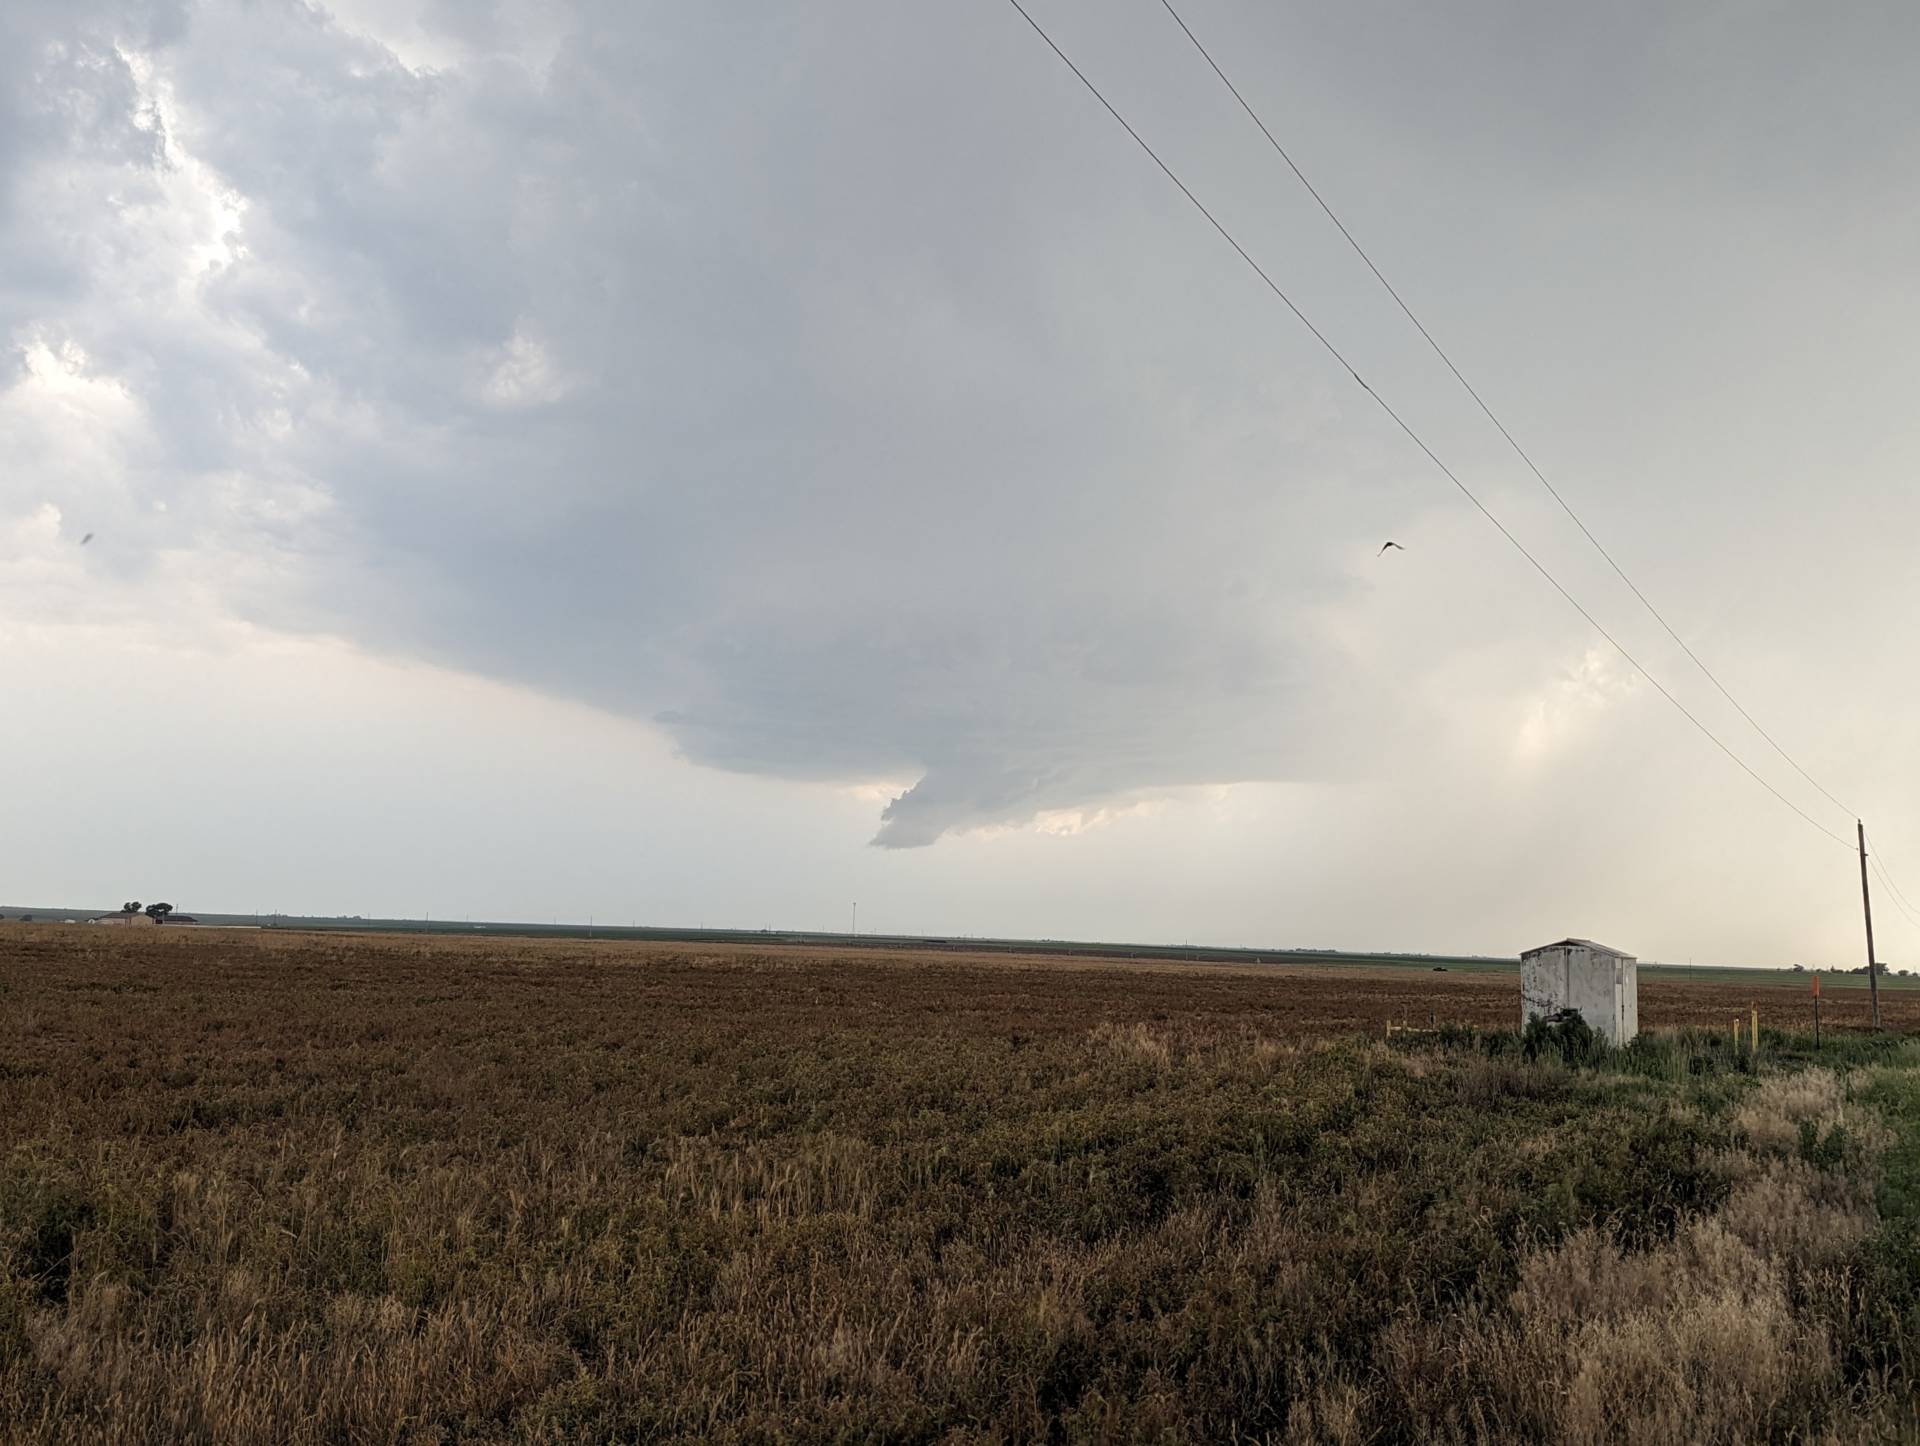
{"points": [[1565, 1036], [343, 1190]]}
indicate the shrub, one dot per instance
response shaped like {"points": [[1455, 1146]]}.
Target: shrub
{"points": [[1565, 1036]]}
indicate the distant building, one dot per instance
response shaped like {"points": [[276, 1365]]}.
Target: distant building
{"points": [[129, 921], [1601, 984]]}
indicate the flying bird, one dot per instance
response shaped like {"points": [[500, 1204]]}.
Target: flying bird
{"points": [[85, 540], [1384, 546]]}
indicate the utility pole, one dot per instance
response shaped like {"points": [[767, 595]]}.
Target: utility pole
{"points": [[856, 918], [1866, 903]]}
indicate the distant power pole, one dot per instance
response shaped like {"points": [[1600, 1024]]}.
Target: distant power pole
{"points": [[1866, 903], [856, 918]]}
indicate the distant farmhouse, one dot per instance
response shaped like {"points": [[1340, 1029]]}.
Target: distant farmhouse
{"points": [[142, 921], [132, 916]]}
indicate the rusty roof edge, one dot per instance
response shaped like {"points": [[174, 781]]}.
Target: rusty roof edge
{"points": [[1578, 944]]}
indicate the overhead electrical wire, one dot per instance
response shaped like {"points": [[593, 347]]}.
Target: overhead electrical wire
{"points": [[1480, 401], [1899, 900], [1903, 911], [1412, 435], [1890, 884], [1899, 897], [1280, 150]]}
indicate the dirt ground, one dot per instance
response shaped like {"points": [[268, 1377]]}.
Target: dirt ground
{"points": [[934, 992]]}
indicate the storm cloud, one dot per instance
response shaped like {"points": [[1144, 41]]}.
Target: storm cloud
{"points": [[713, 370], [835, 388]]}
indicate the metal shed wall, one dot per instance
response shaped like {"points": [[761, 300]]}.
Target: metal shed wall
{"points": [[1602, 984]]}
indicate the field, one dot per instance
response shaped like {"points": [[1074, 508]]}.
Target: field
{"points": [[287, 1187]]}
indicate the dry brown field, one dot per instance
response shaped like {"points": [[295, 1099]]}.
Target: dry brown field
{"points": [[264, 1186], [866, 987]]}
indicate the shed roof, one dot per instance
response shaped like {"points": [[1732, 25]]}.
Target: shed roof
{"points": [[1578, 944]]}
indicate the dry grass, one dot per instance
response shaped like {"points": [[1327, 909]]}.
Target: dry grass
{"points": [[1787, 1109], [269, 1188], [1700, 1338]]}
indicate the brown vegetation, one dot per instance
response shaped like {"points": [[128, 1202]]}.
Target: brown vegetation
{"points": [[265, 1187]]}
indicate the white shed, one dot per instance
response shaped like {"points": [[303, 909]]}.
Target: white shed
{"points": [[1602, 983]]}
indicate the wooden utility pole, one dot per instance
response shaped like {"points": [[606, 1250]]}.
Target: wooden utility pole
{"points": [[1866, 903]]}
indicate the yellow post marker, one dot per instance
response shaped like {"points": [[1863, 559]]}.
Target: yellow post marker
{"points": [[1754, 1038]]}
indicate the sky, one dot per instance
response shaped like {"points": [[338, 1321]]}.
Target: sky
{"points": [[723, 464]]}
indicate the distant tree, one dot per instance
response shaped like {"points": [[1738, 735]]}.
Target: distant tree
{"points": [[158, 912], [132, 906]]}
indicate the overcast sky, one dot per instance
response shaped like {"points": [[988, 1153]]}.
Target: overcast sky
{"points": [[716, 463]]}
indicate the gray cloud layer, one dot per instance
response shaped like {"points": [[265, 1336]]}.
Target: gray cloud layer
{"points": [[832, 386]]}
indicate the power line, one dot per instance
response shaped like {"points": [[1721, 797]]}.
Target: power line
{"points": [[1412, 435], [1903, 910], [1890, 884], [1899, 907], [1519, 451], [1900, 900]]}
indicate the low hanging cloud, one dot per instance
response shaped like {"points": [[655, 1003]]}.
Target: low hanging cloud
{"points": [[670, 370], [832, 387]]}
